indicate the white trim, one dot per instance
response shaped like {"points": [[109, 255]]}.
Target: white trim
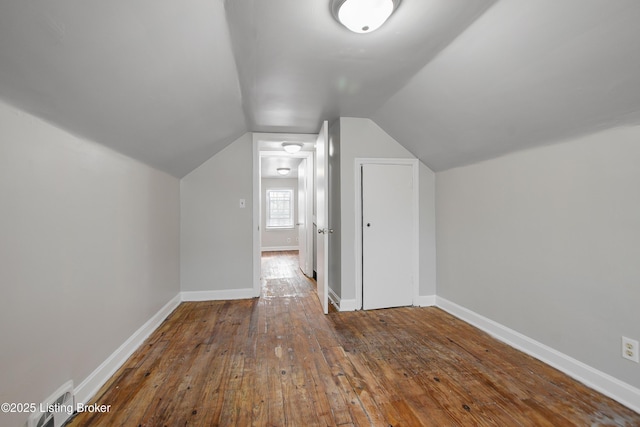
{"points": [[348, 305], [425, 301], [604, 383], [279, 248], [307, 268], [257, 188], [217, 295], [92, 384], [342, 304], [359, 161], [334, 298]]}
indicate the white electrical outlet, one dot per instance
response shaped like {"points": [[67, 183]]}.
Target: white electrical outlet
{"points": [[630, 349]]}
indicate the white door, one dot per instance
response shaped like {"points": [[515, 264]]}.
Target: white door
{"points": [[387, 235], [303, 223], [322, 215]]}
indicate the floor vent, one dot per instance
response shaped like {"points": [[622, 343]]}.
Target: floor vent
{"points": [[56, 410]]}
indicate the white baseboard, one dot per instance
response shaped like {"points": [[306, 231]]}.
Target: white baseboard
{"points": [[351, 305], [348, 305], [91, 385], [425, 301], [342, 304], [279, 248], [226, 294], [334, 299], [604, 383]]}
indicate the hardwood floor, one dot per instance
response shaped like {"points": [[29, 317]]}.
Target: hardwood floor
{"points": [[277, 361]]}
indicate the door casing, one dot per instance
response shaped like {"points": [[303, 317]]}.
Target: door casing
{"points": [[305, 215], [257, 152], [323, 197]]}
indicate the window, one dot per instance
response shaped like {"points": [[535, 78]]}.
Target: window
{"points": [[280, 208]]}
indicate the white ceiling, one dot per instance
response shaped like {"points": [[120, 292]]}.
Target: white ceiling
{"points": [[455, 81], [269, 166], [297, 65], [273, 156]]}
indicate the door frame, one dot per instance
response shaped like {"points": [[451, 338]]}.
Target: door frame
{"points": [[323, 214], [258, 152], [310, 195], [359, 162]]}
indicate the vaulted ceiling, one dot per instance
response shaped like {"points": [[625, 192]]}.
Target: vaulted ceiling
{"points": [[171, 83]]}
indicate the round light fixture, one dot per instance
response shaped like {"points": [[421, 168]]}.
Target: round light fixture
{"points": [[363, 16], [292, 147], [283, 171]]}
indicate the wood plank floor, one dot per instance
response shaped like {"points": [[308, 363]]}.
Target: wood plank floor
{"points": [[277, 361]]}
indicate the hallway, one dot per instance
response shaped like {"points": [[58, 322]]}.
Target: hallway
{"points": [[281, 276]]}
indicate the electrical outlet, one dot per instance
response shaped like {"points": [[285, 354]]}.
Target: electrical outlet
{"points": [[630, 349]]}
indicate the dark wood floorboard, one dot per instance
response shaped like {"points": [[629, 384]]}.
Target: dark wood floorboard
{"points": [[278, 361]]}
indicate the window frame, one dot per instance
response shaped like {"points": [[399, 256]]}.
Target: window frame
{"points": [[291, 209]]}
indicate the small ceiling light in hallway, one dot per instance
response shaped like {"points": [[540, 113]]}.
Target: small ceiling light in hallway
{"points": [[363, 16], [283, 171], [292, 147]]}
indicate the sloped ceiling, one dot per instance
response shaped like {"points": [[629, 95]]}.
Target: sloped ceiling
{"points": [[297, 65], [525, 73], [153, 79], [455, 81]]}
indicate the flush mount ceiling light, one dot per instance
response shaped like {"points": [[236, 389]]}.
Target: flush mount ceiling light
{"points": [[363, 16], [292, 147], [283, 171]]}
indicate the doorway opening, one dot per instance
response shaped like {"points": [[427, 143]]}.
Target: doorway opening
{"points": [[283, 208], [282, 277]]}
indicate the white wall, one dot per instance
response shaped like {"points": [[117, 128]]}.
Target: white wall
{"points": [[89, 251], [547, 242], [275, 238], [216, 240], [428, 265], [363, 138]]}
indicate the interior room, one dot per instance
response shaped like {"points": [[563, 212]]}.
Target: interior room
{"points": [[462, 192]]}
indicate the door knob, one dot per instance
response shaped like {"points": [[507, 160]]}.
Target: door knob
{"points": [[330, 230], [368, 224]]}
